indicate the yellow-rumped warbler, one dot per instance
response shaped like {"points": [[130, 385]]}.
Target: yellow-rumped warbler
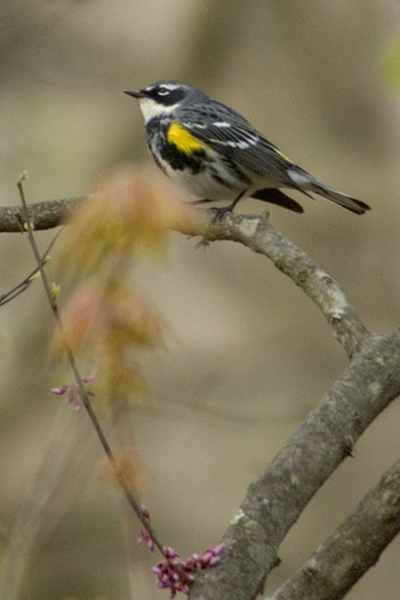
{"points": [[213, 152]]}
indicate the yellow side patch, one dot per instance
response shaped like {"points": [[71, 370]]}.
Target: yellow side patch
{"points": [[183, 140]]}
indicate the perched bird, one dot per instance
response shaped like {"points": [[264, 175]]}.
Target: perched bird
{"points": [[216, 154]]}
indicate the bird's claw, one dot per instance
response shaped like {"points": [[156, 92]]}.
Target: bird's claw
{"points": [[219, 212]]}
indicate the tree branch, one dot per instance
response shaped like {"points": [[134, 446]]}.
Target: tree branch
{"points": [[259, 235], [276, 498], [354, 547], [42, 215]]}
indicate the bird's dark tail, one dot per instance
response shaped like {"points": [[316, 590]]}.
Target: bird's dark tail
{"points": [[305, 182]]}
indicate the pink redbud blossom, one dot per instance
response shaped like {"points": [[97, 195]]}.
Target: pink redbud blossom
{"points": [[60, 390], [174, 572]]}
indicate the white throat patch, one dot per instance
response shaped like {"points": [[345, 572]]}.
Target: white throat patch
{"points": [[151, 109]]}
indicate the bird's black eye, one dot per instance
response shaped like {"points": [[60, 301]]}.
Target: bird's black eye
{"points": [[163, 91]]}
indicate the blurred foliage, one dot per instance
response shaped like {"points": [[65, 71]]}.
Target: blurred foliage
{"points": [[128, 215]]}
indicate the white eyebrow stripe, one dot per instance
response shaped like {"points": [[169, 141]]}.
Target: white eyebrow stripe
{"points": [[170, 86]]}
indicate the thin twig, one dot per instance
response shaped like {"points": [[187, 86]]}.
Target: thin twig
{"points": [[81, 388], [23, 285]]}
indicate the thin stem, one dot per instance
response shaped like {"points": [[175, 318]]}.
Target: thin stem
{"points": [[81, 388], [24, 284]]}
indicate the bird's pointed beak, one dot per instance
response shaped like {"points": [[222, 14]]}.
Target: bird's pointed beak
{"points": [[139, 94]]}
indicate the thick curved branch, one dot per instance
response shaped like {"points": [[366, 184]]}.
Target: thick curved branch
{"points": [[354, 547], [276, 498], [259, 235]]}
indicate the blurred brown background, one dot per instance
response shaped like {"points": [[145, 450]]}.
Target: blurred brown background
{"points": [[252, 355]]}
